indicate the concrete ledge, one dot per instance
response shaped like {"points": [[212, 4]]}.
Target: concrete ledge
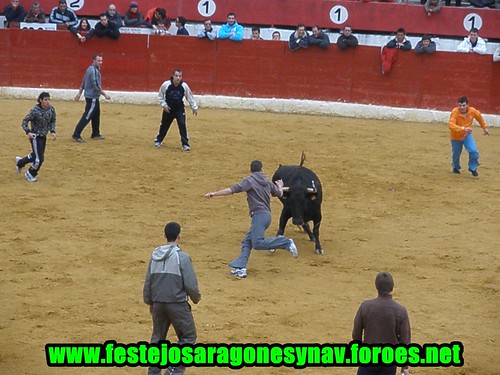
{"points": [[264, 105]]}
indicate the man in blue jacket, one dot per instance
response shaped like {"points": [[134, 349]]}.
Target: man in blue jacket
{"points": [[231, 29]]}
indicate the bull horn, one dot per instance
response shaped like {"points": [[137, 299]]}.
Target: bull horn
{"points": [[311, 190], [285, 188]]}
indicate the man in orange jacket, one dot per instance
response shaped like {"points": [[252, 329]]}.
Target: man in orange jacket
{"points": [[460, 125]]}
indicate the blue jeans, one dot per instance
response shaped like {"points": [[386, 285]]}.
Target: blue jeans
{"points": [[255, 239], [470, 147]]}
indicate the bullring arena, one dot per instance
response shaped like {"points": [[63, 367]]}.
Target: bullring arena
{"points": [[75, 244]]}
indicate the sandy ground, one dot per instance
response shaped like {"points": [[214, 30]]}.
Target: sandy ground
{"points": [[74, 245]]}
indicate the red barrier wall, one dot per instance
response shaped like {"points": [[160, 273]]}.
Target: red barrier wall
{"points": [[366, 16], [263, 69]]}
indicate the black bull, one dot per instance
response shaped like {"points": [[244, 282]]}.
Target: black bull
{"points": [[302, 196]]}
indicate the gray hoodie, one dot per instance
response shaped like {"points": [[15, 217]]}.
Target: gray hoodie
{"points": [[259, 189], [170, 277], [91, 82]]}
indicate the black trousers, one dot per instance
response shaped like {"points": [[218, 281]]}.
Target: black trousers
{"points": [[166, 121], [92, 113], [36, 157]]}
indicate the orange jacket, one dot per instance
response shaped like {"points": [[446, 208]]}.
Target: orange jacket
{"points": [[458, 122]]}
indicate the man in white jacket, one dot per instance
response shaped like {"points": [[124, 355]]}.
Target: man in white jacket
{"points": [[473, 43]]}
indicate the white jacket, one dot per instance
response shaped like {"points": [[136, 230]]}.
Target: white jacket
{"points": [[466, 46]]}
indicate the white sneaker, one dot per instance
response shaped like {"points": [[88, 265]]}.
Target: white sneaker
{"points": [[293, 249], [186, 148], [29, 177], [157, 144], [239, 272], [18, 168]]}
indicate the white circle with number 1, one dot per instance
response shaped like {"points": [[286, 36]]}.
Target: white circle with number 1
{"points": [[339, 14], [206, 8], [473, 20]]}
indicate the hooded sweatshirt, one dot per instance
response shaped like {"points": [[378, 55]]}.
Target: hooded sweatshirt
{"points": [[259, 190], [170, 277]]}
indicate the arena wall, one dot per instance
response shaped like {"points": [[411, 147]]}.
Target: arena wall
{"points": [[253, 69]]}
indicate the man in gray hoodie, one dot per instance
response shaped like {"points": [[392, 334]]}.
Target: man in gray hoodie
{"points": [[259, 189], [170, 282]]}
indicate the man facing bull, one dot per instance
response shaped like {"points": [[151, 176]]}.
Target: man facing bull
{"points": [[259, 190]]}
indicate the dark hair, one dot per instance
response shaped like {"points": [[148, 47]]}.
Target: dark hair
{"points": [[301, 25], [43, 95], [96, 56], [162, 12], [463, 99], [103, 14], [231, 14], [80, 24], [182, 20], [256, 166], [401, 30], [172, 231], [426, 37], [384, 283], [255, 28], [474, 30], [176, 70]]}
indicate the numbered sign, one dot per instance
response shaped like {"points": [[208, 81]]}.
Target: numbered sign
{"points": [[76, 4], [206, 8], [339, 14], [473, 20]]}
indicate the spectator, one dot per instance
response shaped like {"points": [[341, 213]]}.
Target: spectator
{"points": [[433, 6], [319, 38], [156, 18], [14, 12], [382, 321], [134, 17], [276, 35], [106, 28], [496, 55], [35, 14], [426, 45], [208, 31], [256, 33], [299, 38], [457, 3], [473, 43], [114, 15], [84, 31], [460, 125], [170, 282], [180, 23], [61, 15], [231, 29], [400, 41], [346, 39]]}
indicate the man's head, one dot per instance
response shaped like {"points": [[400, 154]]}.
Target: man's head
{"points": [[426, 40], [384, 283], [134, 6], [301, 30], [256, 166], [473, 34], [400, 35], [255, 33], [177, 76], [14, 3], [35, 6], [62, 5], [103, 17], [180, 21], [315, 30], [276, 35], [231, 18], [112, 9], [463, 104], [97, 60], [207, 25], [44, 99], [172, 231], [347, 30]]}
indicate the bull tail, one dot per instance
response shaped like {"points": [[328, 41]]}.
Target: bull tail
{"points": [[302, 159]]}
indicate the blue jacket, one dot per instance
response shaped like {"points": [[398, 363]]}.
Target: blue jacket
{"points": [[226, 30]]}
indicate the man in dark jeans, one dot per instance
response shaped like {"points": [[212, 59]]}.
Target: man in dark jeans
{"points": [[91, 84]]}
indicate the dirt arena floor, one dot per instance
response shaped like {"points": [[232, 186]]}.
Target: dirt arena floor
{"points": [[75, 245]]}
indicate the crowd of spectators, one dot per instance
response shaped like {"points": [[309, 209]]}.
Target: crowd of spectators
{"points": [[110, 21]]}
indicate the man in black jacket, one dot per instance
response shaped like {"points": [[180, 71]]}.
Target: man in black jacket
{"points": [[105, 27]]}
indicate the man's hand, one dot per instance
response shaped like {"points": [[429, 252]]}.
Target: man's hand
{"points": [[195, 112], [486, 131]]}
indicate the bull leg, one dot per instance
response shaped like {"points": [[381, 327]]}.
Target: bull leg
{"points": [[308, 231], [318, 249], [283, 220]]}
